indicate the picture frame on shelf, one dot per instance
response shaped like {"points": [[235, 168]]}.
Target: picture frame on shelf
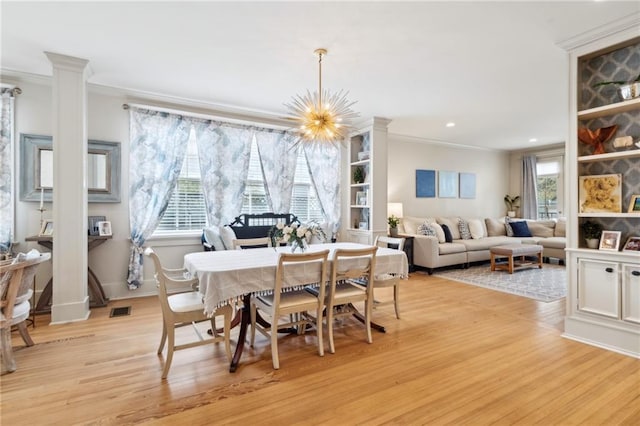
{"points": [[632, 244], [93, 224], [610, 240], [47, 228], [104, 228], [361, 198], [363, 225], [634, 204], [600, 193]]}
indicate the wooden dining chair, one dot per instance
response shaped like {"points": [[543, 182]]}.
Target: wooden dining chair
{"points": [[347, 266], [16, 281], [245, 243], [294, 269], [184, 308], [389, 280]]}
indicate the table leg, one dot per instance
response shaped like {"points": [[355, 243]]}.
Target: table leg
{"points": [[357, 315], [44, 302], [95, 289], [242, 335]]}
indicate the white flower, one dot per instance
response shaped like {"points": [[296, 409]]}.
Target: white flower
{"points": [[279, 225], [287, 230], [308, 235], [301, 232], [285, 238]]}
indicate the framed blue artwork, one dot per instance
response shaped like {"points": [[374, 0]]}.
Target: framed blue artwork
{"points": [[467, 185], [447, 184], [426, 183]]}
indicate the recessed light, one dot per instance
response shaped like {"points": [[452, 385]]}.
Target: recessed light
{"points": [[533, 140], [451, 124]]}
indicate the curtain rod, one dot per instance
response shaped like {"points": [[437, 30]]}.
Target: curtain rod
{"points": [[245, 120], [13, 90]]}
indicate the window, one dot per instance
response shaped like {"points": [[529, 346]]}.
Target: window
{"points": [[186, 210], [549, 181], [304, 202]]}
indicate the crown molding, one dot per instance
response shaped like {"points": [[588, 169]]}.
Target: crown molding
{"points": [[628, 23]]}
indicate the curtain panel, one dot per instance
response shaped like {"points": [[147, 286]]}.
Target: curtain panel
{"points": [[278, 151], [529, 187], [324, 167], [6, 169], [158, 146]]}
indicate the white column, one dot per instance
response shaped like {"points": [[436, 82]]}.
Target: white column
{"points": [[70, 300]]}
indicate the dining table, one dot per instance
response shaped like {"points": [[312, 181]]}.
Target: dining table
{"points": [[234, 275]]}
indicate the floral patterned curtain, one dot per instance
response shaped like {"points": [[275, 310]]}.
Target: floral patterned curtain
{"points": [[158, 146], [6, 169], [324, 167], [224, 151], [278, 152]]}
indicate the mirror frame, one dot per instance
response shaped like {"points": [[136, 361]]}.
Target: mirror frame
{"points": [[31, 145]]}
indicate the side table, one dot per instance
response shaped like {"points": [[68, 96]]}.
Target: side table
{"points": [[408, 249], [97, 295]]}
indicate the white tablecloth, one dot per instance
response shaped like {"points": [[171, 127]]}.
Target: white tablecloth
{"points": [[227, 275]]}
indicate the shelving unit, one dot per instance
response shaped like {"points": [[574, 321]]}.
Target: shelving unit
{"points": [[367, 201], [603, 300]]}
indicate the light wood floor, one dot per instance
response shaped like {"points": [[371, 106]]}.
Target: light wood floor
{"points": [[459, 355]]}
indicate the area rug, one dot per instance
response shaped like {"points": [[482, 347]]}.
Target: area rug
{"points": [[546, 284]]}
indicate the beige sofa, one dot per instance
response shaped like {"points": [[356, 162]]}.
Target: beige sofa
{"points": [[433, 251]]}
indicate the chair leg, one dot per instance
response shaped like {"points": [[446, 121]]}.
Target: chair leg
{"points": [[332, 348], [319, 331], [274, 344], [253, 324], [8, 363], [164, 337], [367, 319], [170, 347], [24, 333], [396, 299], [227, 332]]}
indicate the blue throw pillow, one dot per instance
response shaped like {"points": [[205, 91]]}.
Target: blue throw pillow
{"points": [[520, 229], [447, 234]]}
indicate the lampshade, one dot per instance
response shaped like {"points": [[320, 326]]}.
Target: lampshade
{"points": [[322, 116], [394, 209]]}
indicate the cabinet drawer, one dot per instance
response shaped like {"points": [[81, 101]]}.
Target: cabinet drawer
{"points": [[599, 288]]}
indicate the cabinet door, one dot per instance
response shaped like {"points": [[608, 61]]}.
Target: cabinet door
{"points": [[631, 293], [598, 287]]}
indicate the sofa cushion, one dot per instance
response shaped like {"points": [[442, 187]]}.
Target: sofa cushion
{"points": [[561, 228], [463, 228], [452, 224], [495, 227], [449, 248], [542, 228], [520, 229], [477, 228], [554, 242], [486, 243], [447, 233]]}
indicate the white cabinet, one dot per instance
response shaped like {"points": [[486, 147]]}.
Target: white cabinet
{"points": [[603, 294], [366, 183]]}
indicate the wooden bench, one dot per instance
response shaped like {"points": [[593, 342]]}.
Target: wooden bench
{"points": [[516, 255]]}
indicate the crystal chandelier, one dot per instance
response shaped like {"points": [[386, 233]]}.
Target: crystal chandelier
{"points": [[322, 116]]}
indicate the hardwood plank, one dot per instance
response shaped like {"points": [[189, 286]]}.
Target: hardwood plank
{"points": [[459, 355]]}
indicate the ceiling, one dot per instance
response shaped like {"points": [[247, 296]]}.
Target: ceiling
{"points": [[493, 68]]}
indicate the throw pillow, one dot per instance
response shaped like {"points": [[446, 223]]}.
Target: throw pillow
{"points": [[427, 229], [447, 233], [463, 227], [507, 226], [439, 232], [452, 224], [476, 227], [227, 234], [561, 228], [520, 229], [495, 228], [213, 237]]}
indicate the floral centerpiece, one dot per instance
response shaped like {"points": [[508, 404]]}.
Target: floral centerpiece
{"points": [[296, 235]]}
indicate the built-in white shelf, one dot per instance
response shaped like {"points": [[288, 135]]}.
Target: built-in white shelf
{"points": [[609, 156], [620, 215], [603, 111]]}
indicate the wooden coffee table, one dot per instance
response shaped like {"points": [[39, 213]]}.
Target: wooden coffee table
{"points": [[516, 255]]}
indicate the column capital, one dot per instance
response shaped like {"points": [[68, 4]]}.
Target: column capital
{"points": [[68, 63]]}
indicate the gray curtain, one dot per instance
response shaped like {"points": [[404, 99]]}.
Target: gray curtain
{"points": [[223, 150], [529, 197], [324, 167], [6, 170], [158, 146], [278, 152]]}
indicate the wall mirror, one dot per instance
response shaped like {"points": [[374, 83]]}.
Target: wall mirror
{"points": [[36, 169]]}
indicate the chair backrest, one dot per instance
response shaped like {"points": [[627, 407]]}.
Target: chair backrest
{"points": [[353, 264], [258, 225], [297, 269], [396, 242], [247, 243], [16, 280], [166, 282]]}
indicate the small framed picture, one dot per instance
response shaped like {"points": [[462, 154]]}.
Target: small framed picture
{"points": [[634, 204], [361, 198], [610, 240], [93, 224], [632, 244], [47, 228], [363, 225], [104, 228]]}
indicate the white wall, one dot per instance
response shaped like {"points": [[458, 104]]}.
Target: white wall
{"points": [[408, 155]]}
